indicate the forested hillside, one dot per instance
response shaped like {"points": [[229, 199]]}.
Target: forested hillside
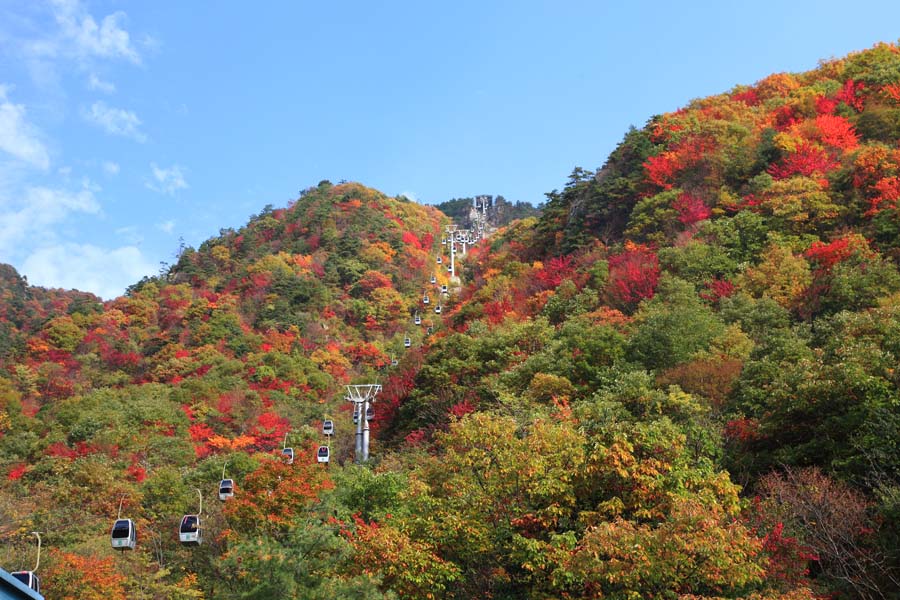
{"points": [[679, 381]]}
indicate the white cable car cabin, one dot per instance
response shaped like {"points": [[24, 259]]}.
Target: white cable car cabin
{"points": [[440, 260], [394, 362], [323, 455], [370, 413], [327, 427], [449, 269], [433, 280], [355, 413], [425, 299], [288, 455], [124, 534], [226, 489], [190, 533], [29, 579], [437, 309], [444, 289], [417, 320], [407, 342]]}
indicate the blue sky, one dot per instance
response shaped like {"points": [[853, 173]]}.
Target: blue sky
{"points": [[125, 126]]}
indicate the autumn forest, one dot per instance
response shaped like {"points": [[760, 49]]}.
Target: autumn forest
{"points": [[680, 378]]}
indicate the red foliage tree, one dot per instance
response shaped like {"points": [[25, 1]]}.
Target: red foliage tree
{"points": [[808, 160], [852, 94], [554, 271], [633, 275], [836, 132], [691, 209]]}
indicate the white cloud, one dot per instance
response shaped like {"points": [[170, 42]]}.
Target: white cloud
{"points": [[95, 83], [32, 218], [411, 195], [166, 226], [18, 137], [110, 167], [87, 39], [116, 121], [86, 267], [167, 181], [130, 234]]}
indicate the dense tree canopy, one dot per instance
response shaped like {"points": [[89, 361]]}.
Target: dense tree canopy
{"points": [[679, 380]]}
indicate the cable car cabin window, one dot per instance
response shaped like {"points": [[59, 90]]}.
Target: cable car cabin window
{"points": [[190, 524], [121, 529], [29, 579]]}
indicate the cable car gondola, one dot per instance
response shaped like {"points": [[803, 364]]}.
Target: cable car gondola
{"points": [[439, 260], [433, 280], [444, 289], [449, 269], [323, 455], [29, 579], [327, 427], [287, 454], [190, 533], [355, 413], [226, 486], [437, 309], [425, 299], [124, 534], [370, 413], [417, 320], [407, 342], [226, 489]]}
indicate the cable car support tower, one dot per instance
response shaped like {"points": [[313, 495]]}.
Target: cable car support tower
{"points": [[361, 396]]}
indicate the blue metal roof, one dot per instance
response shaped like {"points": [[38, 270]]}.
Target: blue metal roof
{"points": [[10, 587]]}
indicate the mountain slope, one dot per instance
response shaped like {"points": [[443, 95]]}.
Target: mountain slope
{"points": [[678, 381]]}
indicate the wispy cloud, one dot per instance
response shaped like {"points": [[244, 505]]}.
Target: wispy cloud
{"points": [[168, 180], [110, 167], [84, 37], [166, 226], [130, 234], [105, 272], [97, 84], [33, 214], [116, 121], [18, 137], [411, 195]]}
